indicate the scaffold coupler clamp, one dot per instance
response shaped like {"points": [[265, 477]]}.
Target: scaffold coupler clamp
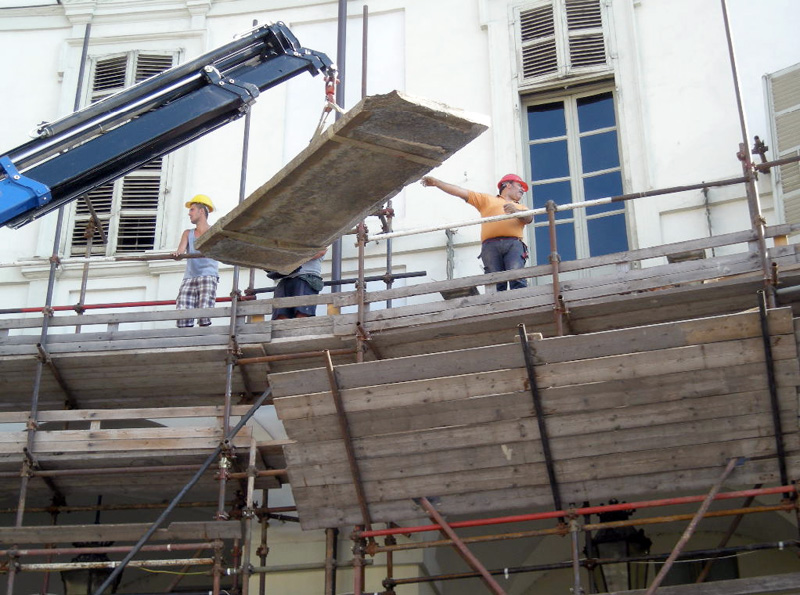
{"points": [[362, 233], [262, 551], [28, 463], [225, 457]]}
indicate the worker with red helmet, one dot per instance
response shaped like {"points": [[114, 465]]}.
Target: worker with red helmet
{"points": [[502, 247]]}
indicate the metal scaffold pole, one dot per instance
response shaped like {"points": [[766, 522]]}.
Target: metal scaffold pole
{"points": [[753, 201], [29, 461]]}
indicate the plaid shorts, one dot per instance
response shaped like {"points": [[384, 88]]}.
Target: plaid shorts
{"points": [[196, 292]]}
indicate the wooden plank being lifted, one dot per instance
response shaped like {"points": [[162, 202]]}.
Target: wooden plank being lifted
{"points": [[379, 146]]}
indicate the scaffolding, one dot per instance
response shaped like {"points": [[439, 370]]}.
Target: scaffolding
{"points": [[635, 295]]}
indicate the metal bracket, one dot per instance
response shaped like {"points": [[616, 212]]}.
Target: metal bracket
{"points": [[19, 194], [247, 92]]}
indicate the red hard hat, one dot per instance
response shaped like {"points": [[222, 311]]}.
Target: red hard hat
{"points": [[511, 178]]}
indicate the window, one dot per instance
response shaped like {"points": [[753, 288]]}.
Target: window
{"points": [[783, 91], [128, 207], [561, 38], [573, 153]]}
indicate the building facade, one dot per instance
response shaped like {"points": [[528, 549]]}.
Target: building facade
{"points": [[587, 99]]}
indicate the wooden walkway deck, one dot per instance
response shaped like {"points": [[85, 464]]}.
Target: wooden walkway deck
{"points": [[126, 454]]}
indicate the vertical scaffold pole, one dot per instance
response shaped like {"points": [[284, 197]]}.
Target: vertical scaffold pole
{"points": [[753, 201], [46, 313], [331, 553]]}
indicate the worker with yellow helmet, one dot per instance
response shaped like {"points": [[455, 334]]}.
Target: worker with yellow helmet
{"points": [[199, 286]]}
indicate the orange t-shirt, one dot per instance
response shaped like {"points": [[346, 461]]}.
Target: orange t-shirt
{"points": [[490, 206]]}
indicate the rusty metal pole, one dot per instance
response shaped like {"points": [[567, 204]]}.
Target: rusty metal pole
{"points": [[344, 427], [360, 291], [461, 548], [544, 437], [753, 201], [32, 423], [574, 529], [54, 521], [691, 527], [93, 224], [341, 64], [248, 514], [554, 260], [390, 541], [331, 553], [359, 574], [216, 572], [724, 541], [263, 548]]}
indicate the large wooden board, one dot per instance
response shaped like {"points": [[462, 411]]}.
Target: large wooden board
{"points": [[678, 398], [379, 146]]}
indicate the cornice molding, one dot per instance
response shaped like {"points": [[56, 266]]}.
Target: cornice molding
{"points": [[172, 36], [82, 11]]}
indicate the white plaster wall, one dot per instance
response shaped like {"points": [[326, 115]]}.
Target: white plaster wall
{"points": [[690, 122]]}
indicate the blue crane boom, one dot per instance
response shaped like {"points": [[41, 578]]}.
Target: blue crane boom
{"points": [[112, 137]]}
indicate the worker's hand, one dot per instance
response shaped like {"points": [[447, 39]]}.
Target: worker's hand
{"points": [[511, 208], [428, 181]]}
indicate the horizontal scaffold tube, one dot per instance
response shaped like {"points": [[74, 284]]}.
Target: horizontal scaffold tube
{"points": [[373, 548], [579, 511], [543, 210], [110, 549], [48, 567]]}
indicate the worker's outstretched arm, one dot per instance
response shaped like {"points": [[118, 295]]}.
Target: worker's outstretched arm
{"points": [[445, 187], [183, 244]]}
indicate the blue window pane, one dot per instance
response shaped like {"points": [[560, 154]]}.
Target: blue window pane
{"points": [[603, 186], [599, 151], [549, 160], [565, 238], [546, 121], [559, 192], [596, 112], [607, 235]]}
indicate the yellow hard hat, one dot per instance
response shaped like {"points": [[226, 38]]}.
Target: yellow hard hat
{"points": [[203, 200]]}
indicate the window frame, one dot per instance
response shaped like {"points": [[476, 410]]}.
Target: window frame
{"points": [[578, 217], [787, 203], [561, 37], [113, 219]]}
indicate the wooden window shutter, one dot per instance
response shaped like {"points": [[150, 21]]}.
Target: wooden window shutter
{"points": [[127, 208], [538, 36], [562, 38], [138, 211], [784, 92], [585, 33], [109, 76], [148, 65]]}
